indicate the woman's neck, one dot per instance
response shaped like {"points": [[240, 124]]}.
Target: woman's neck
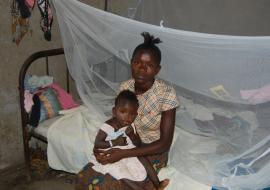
{"points": [[141, 88]]}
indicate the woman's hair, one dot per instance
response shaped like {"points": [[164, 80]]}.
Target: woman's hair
{"points": [[126, 96], [149, 44]]}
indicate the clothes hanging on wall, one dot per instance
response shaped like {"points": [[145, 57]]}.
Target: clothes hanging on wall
{"points": [[20, 25], [21, 16], [46, 18]]}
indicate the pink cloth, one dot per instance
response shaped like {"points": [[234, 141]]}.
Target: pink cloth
{"points": [[64, 98], [28, 101], [256, 96], [30, 3]]}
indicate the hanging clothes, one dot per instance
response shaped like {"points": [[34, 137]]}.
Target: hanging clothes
{"points": [[46, 18], [21, 14], [24, 10], [20, 25]]}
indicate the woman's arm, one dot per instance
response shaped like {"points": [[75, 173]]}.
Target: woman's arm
{"points": [[162, 145], [166, 136]]}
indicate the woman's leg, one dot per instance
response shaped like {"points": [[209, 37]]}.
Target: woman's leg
{"points": [[132, 184], [88, 178]]}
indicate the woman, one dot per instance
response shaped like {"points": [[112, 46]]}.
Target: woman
{"points": [[154, 123]]}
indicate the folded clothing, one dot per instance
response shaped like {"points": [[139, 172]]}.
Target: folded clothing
{"points": [[256, 96], [33, 83], [49, 104], [64, 98], [35, 112], [46, 105], [45, 99]]}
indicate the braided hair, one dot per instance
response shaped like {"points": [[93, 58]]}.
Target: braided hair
{"points": [[149, 44], [126, 96]]}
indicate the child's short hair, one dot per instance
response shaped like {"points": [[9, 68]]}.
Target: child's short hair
{"points": [[126, 96]]}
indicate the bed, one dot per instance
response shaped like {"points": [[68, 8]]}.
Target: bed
{"points": [[41, 131], [192, 108]]}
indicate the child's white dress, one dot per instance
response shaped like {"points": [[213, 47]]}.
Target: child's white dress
{"points": [[128, 168]]}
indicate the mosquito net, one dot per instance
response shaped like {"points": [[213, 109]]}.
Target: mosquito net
{"points": [[222, 83]]}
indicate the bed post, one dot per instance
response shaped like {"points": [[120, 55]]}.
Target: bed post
{"points": [[26, 139], [67, 79], [24, 118], [106, 5]]}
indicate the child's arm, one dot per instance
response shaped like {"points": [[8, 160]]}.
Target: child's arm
{"points": [[101, 143], [100, 140], [134, 137]]}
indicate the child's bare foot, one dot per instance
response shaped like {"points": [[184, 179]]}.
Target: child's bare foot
{"points": [[164, 183]]}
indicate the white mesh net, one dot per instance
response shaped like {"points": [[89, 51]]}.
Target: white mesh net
{"points": [[222, 83]]}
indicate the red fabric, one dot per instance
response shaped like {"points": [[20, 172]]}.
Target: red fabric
{"points": [[64, 98], [30, 3]]}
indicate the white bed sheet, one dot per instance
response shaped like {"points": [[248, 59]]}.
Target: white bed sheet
{"points": [[43, 127]]}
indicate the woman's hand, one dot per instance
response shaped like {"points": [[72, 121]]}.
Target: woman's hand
{"points": [[108, 156]]}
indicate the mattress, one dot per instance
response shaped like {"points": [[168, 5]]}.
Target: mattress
{"points": [[43, 127]]}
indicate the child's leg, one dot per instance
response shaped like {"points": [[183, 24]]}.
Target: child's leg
{"points": [[150, 171], [160, 185], [132, 184]]}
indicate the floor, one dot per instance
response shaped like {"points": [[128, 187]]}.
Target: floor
{"points": [[42, 177], [15, 179]]}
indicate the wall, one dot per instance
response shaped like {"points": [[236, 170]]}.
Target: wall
{"points": [[241, 17], [234, 17], [12, 57]]}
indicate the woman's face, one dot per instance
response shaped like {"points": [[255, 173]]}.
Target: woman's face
{"points": [[144, 67]]}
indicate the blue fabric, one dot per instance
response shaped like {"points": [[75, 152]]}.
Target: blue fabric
{"points": [[114, 135], [27, 86], [33, 83], [49, 104]]}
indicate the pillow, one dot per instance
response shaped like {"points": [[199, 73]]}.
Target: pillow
{"points": [[64, 98], [49, 104]]}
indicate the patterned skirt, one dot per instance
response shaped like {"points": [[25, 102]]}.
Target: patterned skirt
{"points": [[89, 179]]}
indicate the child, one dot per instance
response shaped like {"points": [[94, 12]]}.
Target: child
{"points": [[119, 132]]}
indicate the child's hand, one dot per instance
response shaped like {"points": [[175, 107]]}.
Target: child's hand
{"points": [[134, 137], [129, 131], [120, 141]]}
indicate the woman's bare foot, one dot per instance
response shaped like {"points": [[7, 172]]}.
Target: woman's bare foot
{"points": [[164, 183]]}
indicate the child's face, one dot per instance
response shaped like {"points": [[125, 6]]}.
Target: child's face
{"points": [[144, 67], [125, 113]]}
